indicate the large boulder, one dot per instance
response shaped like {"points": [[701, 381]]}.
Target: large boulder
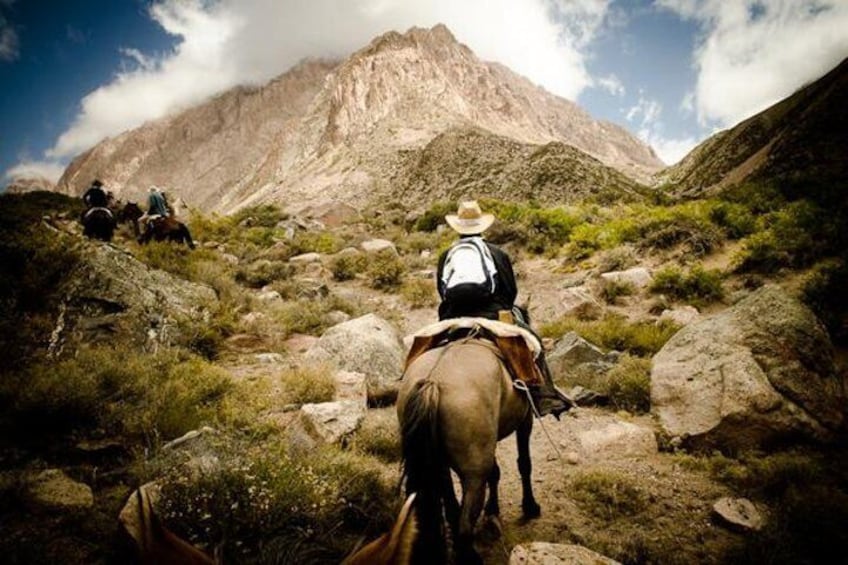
{"points": [[544, 553], [369, 345], [761, 373], [110, 296]]}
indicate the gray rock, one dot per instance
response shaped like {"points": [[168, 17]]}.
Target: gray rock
{"points": [[619, 439], [682, 316], [336, 317], [269, 358], [639, 277], [351, 385], [760, 373], [543, 553], [112, 297], [269, 296], [738, 514], [368, 345], [378, 245], [571, 351], [305, 258], [326, 423]]}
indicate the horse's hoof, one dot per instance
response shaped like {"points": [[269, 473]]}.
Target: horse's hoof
{"points": [[531, 510]]}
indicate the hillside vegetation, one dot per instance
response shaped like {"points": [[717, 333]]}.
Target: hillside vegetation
{"points": [[243, 488]]}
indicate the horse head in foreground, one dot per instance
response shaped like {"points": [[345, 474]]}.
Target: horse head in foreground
{"points": [[456, 401], [394, 547]]}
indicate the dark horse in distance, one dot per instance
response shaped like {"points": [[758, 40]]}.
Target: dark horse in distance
{"points": [[98, 223]]}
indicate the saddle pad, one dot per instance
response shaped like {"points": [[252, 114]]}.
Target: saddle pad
{"points": [[501, 329]]}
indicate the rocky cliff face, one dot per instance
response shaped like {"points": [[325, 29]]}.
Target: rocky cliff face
{"points": [[801, 139], [326, 131]]}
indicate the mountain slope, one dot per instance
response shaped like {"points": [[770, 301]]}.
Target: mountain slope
{"points": [[466, 162], [342, 132], [801, 139]]}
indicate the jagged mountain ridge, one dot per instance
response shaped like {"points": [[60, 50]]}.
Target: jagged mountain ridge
{"points": [[802, 138], [327, 131], [463, 162]]}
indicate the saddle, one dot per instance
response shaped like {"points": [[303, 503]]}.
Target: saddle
{"points": [[515, 346], [98, 209]]}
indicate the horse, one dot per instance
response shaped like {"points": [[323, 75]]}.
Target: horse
{"points": [[166, 229], [393, 547], [98, 223], [130, 213], [454, 404]]}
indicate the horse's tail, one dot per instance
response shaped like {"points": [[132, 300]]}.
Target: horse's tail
{"points": [[424, 467]]}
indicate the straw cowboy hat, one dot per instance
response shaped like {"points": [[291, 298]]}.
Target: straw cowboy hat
{"points": [[469, 219]]}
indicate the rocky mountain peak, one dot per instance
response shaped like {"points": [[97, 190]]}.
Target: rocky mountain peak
{"points": [[327, 131]]}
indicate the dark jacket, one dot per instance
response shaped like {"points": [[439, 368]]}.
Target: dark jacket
{"points": [[95, 197], [504, 295]]}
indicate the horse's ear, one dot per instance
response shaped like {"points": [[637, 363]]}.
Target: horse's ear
{"points": [[403, 533]]}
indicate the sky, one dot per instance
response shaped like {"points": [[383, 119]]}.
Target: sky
{"points": [[673, 72]]}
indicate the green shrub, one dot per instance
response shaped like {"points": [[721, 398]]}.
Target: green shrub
{"points": [[264, 215], [628, 384], [273, 507], [616, 259], [325, 243], [385, 270], [608, 495], [612, 290], [133, 394], [794, 236], [311, 384], [379, 435], [613, 331], [824, 291], [699, 285], [435, 215], [346, 266], [263, 272], [736, 219], [419, 293]]}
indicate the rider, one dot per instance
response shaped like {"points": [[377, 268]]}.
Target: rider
{"points": [[156, 208], [95, 196], [498, 301]]}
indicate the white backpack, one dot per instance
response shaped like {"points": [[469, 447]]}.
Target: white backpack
{"points": [[469, 269]]}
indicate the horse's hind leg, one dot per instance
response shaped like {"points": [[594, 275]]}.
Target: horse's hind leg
{"points": [[451, 504], [529, 505], [186, 236], [473, 496], [492, 506]]}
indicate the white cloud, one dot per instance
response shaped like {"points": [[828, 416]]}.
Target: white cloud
{"points": [[50, 170], [646, 116], [647, 111], [9, 50], [752, 53], [229, 42], [611, 84], [670, 150]]}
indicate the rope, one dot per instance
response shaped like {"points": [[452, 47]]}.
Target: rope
{"points": [[522, 386]]}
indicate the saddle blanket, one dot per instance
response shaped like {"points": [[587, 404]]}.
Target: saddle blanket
{"points": [[518, 346]]}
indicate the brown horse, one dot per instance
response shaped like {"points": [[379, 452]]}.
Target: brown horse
{"points": [[394, 547], [166, 229], [455, 403], [130, 213]]}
